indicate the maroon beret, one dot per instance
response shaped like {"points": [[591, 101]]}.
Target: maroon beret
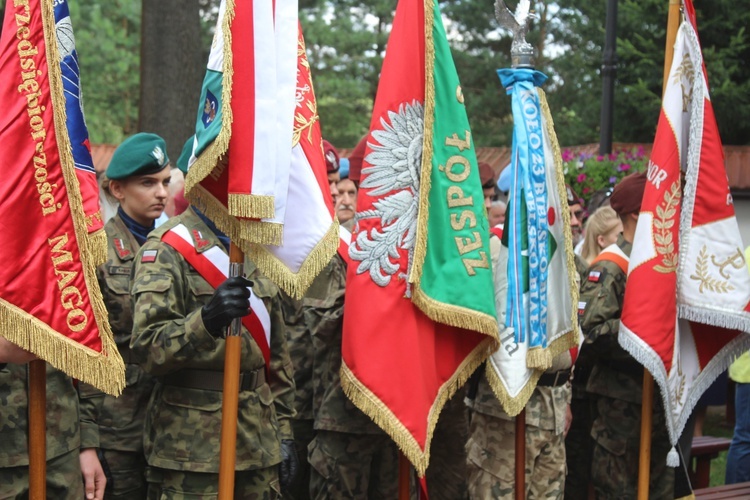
{"points": [[487, 175], [355, 160], [628, 194], [331, 156]]}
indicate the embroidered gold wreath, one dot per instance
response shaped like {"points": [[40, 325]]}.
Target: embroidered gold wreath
{"points": [[664, 221], [302, 122], [707, 282]]}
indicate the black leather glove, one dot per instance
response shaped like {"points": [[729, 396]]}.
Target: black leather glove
{"points": [[229, 301], [289, 463]]}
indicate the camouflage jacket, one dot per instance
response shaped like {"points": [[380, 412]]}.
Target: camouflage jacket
{"points": [[182, 430], [62, 415], [106, 421], [300, 344], [323, 308], [615, 373]]}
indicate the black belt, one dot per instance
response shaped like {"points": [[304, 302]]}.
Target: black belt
{"points": [[210, 380], [554, 379]]}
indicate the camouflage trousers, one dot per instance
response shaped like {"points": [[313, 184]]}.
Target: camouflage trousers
{"points": [[353, 466], [491, 460], [303, 435], [579, 449], [164, 484], [616, 431], [126, 474], [64, 480], [446, 475]]}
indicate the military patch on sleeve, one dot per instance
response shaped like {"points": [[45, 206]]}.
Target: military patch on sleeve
{"points": [[594, 276], [148, 256], [120, 247], [581, 308]]}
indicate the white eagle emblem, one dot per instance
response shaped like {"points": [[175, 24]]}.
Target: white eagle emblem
{"points": [[395, 167], [158, 154]]}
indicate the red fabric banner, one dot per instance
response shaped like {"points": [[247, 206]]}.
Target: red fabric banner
{"points": [[50, 301]]}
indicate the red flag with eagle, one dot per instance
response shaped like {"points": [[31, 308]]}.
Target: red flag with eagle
{"points": [[685, 313], [419, 313], [256, 164], [50, 302]]}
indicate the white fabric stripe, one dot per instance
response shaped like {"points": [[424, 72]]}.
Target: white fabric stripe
{"points": [[308, 219], [216, 57], [220, 260], [345, 235], [286, 31], [264, 156]]}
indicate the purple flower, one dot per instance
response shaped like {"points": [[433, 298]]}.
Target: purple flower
{"points": [[612, 179], [581, 177]]}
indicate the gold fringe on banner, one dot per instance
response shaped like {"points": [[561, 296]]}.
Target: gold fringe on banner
{"points": [[251, 206], [295, 284], [261, 232], [104, 370], [512, 405], [210, 157], [96, 245], [460, 317], [364, 399]]}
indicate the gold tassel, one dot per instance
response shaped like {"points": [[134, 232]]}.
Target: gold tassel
{"points": [[457, 316], [538, 357], [96, 245], [511, 405], [295, 284], [251, 206]]}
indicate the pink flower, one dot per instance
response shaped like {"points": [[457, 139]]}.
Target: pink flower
{"points": [[567, 155], [586, 190], [581, 177], [599, 158], [624, 167], [612, 156]]}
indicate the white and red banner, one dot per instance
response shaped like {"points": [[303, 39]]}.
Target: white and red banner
{"points": [[685, 314], [50, 302], [256, 166]]}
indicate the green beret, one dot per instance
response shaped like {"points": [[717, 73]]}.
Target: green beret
{"points": [[139, 154]]}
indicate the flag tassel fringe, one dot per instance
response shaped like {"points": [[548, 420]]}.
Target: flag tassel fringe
{"points": [[250, 206], [383, 417], [728, 320], [102, 370], [95, 245], [455, 316], [295, 284]]}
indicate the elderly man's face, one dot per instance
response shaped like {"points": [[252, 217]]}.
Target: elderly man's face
{"points": [[496, 215], [346, 204], [576, 222]]}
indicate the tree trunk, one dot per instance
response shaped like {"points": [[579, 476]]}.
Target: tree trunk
{"points": [[172, 69]]}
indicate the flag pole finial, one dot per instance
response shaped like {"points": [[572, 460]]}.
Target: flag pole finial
{"points": [[522, 53]]}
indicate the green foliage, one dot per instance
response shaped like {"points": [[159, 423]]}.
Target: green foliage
{"points": [[587, 174], [108, 44]]}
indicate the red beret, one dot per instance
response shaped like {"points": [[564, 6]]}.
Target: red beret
{"points": [[487, 175], [355, 160], [331, 156], [628, 194]]}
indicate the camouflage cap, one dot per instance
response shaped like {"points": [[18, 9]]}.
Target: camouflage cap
{"points": [[139, 154]]}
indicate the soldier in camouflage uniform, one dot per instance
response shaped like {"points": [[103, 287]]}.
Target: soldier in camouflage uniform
{"points": [[616, 380], [63, 435], [138, 179], [299, 339], [178, 324]]}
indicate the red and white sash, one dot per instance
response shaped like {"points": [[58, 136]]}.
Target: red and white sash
{"points": [[213, 266], [345, 239]]}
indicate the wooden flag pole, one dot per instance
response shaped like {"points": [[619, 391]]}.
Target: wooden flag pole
{"points": [[404, 471], [644, 459], [520, 483], [232, 356], [647, 402], [37, 430]]}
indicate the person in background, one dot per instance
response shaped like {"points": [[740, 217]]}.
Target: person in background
{"points": [[575, 203], [346, 203], [496, 213], [332, 167], [738, 458], [139, 179], [602, 229], [488, 178]]}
